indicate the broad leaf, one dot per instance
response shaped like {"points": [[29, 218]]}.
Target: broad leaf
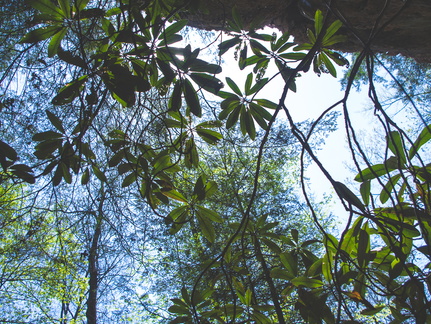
{"points": [[307, 282], [40, 34], [206, 227], [192, 99], [423, 137]]}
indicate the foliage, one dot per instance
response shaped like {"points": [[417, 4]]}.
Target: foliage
{"points": [[131, 159]]}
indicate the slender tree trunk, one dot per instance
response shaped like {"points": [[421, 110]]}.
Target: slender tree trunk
{"points": [[268, 279], [93, 270]]}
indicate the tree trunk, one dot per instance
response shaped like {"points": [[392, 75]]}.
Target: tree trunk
{"points": [[93, 257], [393, 26]]}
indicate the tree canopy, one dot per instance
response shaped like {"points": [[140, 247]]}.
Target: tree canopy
{"points": [[140, 182]]}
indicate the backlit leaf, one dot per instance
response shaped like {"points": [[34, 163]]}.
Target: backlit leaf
{"points": [[40, 34], [55, 42], [423, 137], [307, 282], [206, 227], [395, 144], [174, 195]]}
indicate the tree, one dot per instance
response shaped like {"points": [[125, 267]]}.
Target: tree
{"points": [[127, 124]]}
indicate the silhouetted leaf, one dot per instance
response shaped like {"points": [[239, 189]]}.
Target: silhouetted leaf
{"points": [[349, 196], [192, 99]]}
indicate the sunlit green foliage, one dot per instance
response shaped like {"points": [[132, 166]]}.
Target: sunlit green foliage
{"points": [[145, 166]]}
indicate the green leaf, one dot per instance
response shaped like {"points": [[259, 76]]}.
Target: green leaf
{"points": [[210, 124], [271, 245], [335, 26], [334, 40], [365, 189], [179, 213], [248, 296], [173, 29], [206, 227], [55, 121], [58, 175], [423, 137], [202, 66], [23, 172], [266, 103], [65, 7], [260, 318], [349, 196], [178, 309], [258, 110], [259, 85], [192, 99], [49, 135], [258, 48], [293, 56], [164, 66], [233, 117], [388, 188], [116, 158], [227, 44], [191, 156], [171, 39], [372, 311], [68, 57], [99, 174], [327, 263], [328, 64], [207, 82], [199, 188], [242, 62], [228, 106], [256, 114], [175, 99], [373, 172], [307, 282], [278, 273], [7, 151], [248, 84], [128, 180], [45, 149], [209, 136], [247, 123], [318, 22], [205, 212], [174, 195], [55, 42], [85, 177], [233, 86], [395, 144], [210, 188], [66, 173], [69, 92], [276, 44], [46, 7], [264, 37], [40, 34], [290, 262], [363, 247]]}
